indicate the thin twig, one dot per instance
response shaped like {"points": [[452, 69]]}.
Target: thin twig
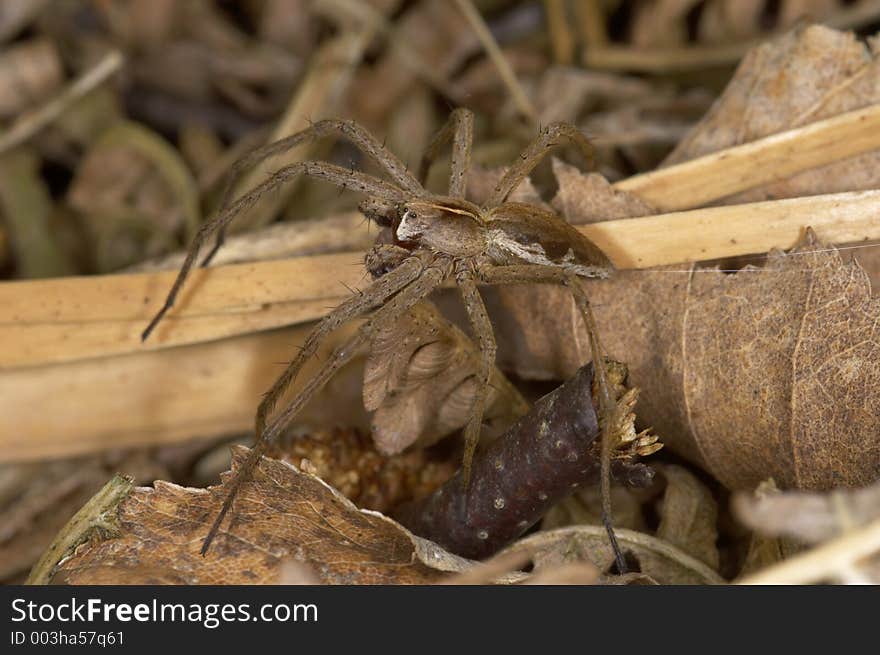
{"points": [[32, 122], [494, 51]]}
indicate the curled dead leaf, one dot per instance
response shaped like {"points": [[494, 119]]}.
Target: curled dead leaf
{"points": [[689, 515], [687, 511], [655, 558], [420, 379]]}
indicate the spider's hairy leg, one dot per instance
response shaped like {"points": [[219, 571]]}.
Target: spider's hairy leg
{"points": [[482, 327], [321, 170], [607, 409], [525, 273], [547, 139], [460, 128], [356, 305], [432, 276], [360, 137]]}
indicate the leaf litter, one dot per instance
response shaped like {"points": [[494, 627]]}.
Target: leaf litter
{"points": [[753, 369]]}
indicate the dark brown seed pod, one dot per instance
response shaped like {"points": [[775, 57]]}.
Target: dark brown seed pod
{"points": [[540, 460]]}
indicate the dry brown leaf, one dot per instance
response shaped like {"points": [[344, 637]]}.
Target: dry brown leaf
{"points": [[770, 372], [688, 515], [161, 530], [481, 182], [802, 77], [589, 198], [420, 380], [806, 75]]}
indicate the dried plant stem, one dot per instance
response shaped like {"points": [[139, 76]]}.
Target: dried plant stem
{"points": [[32, 122], [152, 398], [705, 179], [829, 561], [64, 319], [668, 60], [344, 232], [494, 51], [97, 514], [730, 230], [561, 34], [664, 60], [78, 317]]}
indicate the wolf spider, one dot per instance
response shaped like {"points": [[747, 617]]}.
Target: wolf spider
{"points": [[426, 240]]}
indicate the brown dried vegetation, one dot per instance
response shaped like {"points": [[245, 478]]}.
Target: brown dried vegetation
{"points": [[757, 368]]}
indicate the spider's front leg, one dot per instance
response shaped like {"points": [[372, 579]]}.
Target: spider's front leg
{"points": [[414, 284], [360, 137], [337, 175], [482, 327], [460, 129], [548, 139], [608, 409]]}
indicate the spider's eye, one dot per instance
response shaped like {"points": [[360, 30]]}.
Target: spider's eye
{"points": [[411, 214]]}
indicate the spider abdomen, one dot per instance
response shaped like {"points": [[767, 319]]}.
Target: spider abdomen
{"points": [[525, 234]]}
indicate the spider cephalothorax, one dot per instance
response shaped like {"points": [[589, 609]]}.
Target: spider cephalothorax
{"points": [[426, 239]]}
